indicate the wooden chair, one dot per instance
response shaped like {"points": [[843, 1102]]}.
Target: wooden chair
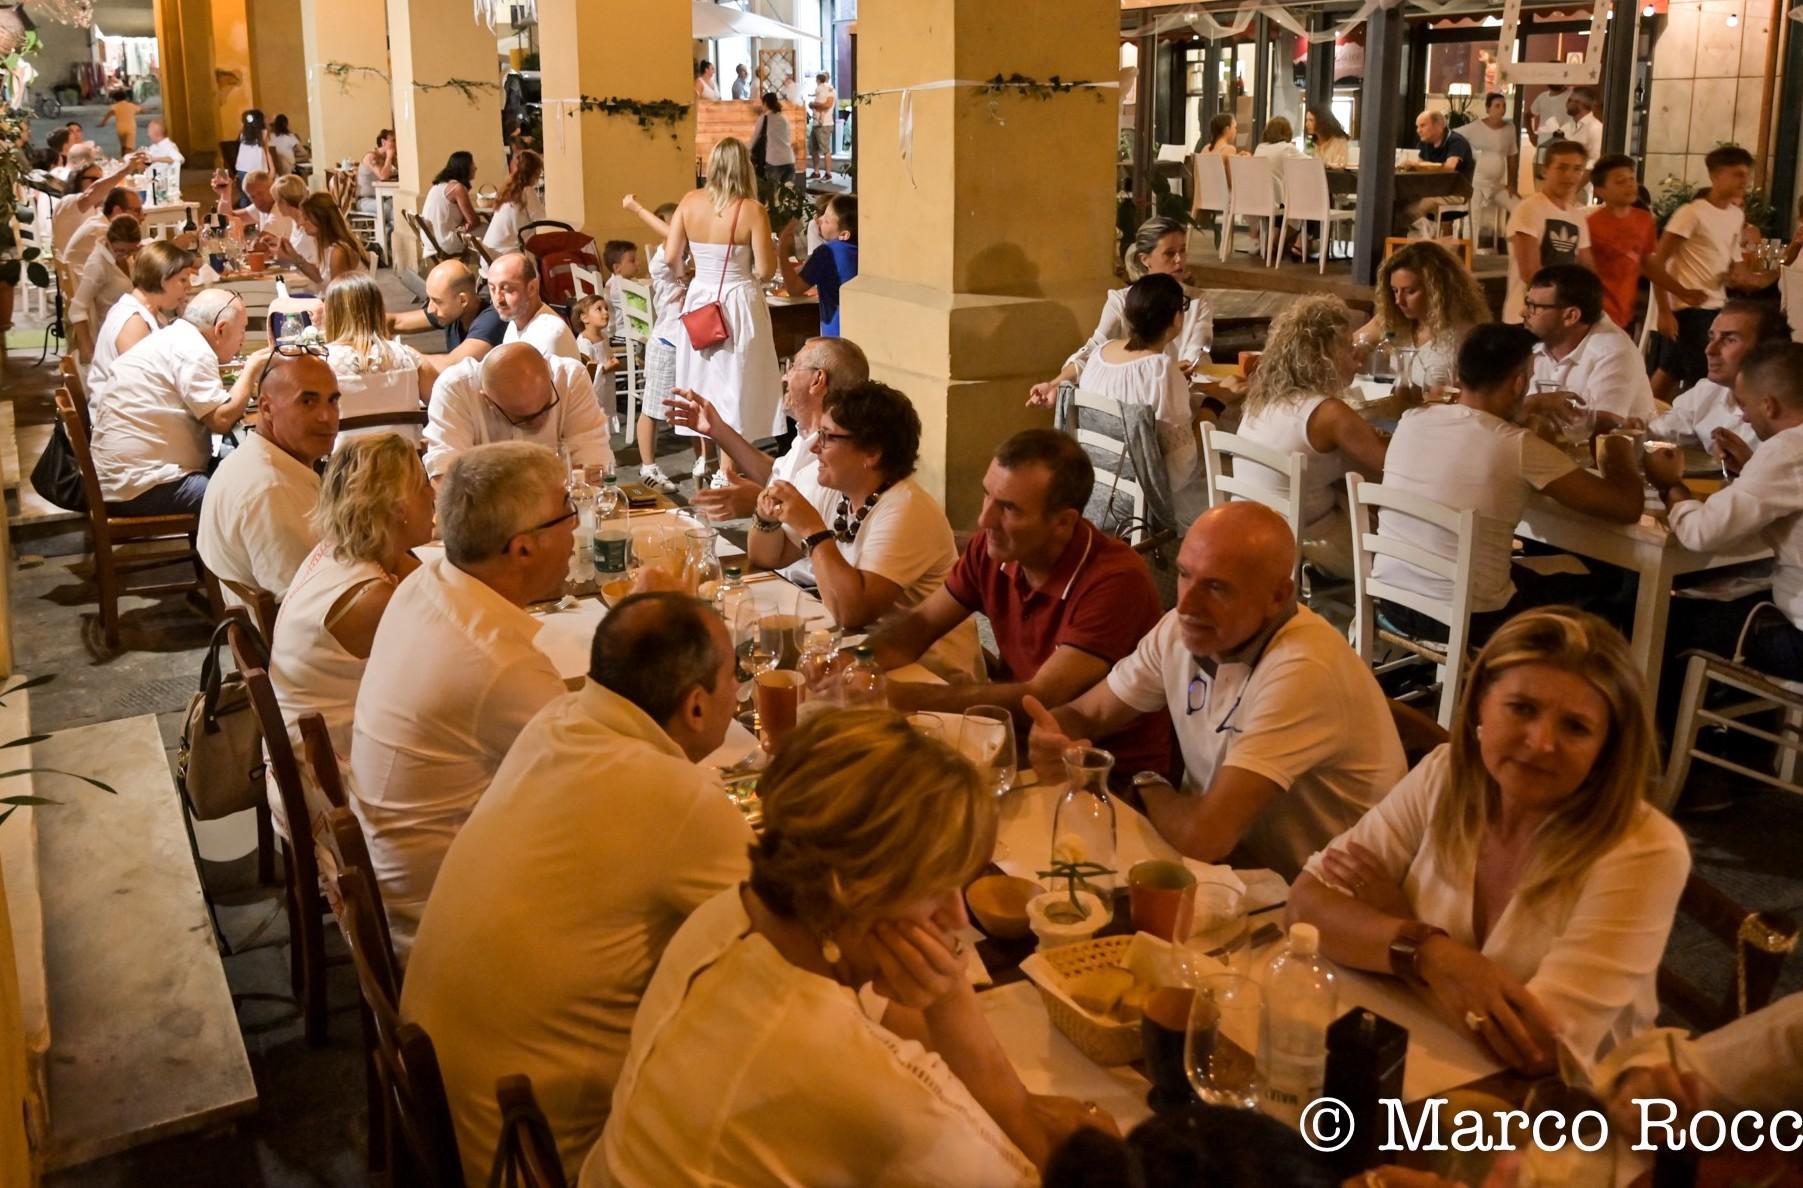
{"points": [[527, 1155], [1419, 733], [111, 532], [322, 760], [300, 869], [1760, 942], [262, 607], [73, 380]]}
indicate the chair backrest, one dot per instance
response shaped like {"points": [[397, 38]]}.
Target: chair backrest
{"points": [[527, 1154], [1122, 498], [1368, 543], [1305, 194], [586, 281], [322, 760], [1172, 152], [1394, 244], [1760, 943], [635, 297], [282, 767], [74, 416], [261, 603], [1220, 482], [423, 231], [340, 845], [70, 371], [1210, 173], [1254, 185], [1419, 733]]}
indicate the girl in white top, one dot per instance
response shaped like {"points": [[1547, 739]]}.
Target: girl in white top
{"points": [[1332, 147], [1517, 878], [889, 545], [517, 205], [285, 222], [447, 207], [376, 374], [375, 504], [105, 278], [339, 249], [1427, 300], [753, 1060], [1159, 249], [161, 276], [1293, 406], [377, 165], [253, 146], [284, 145]]}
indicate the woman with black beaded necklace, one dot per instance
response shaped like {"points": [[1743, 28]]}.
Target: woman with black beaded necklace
{"points": [[876, 540]]}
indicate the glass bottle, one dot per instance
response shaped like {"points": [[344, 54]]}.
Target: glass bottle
{"points": [[863, 684], [728, 590], [613, 531], [1083, 824], [1301, 1000]]}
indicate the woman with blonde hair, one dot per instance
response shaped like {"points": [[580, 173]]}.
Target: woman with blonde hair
{"points": [[339, 249], [1426, 300], [518, 203], [376, 373], [289, 192], [375, 506], [1294, 406], [754, 1060], [727, 231], [1517, 879]]}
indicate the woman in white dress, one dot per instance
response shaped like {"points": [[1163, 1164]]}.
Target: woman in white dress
{"points": [[1294, 406], [1498, 148], [253, 151], [727, 231], [375, 504], [1516, 879], [161, 277], [1428, 301], [105, 278], [447, 207], [518, 204], [1160, 248], [376, 374], [754, 1058]]}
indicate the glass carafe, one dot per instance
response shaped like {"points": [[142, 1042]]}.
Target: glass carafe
{"points": [[701, 567], [1083, 826]]}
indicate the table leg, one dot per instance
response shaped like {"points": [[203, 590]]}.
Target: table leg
{"points": [[1652, 600]]}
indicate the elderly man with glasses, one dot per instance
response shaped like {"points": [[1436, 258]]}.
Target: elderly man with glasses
{"points": [[514, 393], [453, 675]]}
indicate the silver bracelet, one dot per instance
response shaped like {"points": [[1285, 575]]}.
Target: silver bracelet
{"points": [[762, 525]]}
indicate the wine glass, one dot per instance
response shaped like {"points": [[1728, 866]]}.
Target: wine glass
{"points": [[782, 625], [1221, 1044], [986, 737], [927, 725]]}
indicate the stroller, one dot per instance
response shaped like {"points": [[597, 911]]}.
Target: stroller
{"points": [[555, 247]]}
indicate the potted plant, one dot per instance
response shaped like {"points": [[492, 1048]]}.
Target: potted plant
{"points": [[1074, 914]]}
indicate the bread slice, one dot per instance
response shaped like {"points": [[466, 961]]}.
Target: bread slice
{"points": [[1098, 990]]}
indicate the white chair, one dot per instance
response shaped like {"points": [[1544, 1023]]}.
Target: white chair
{"points": [[1790, 292], [1119, 478], [1172, 152], [1368, 544], [1457, 217], [635, 328], [1208, 177], [1762, 693], [1306, 200], [1254, 197], [1222, 480], [35, 300]]}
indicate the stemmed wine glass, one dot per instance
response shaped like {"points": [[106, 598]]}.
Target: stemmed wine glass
{"points": [[986, 738]]}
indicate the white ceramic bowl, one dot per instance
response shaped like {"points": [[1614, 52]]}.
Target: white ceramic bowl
{"points": [[1053, 933]]}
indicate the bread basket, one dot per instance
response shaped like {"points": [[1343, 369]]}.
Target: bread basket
{"points": [[1102, 1040]]}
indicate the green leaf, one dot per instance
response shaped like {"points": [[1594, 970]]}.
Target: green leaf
{"points": [[28, 683], [59, 771], [25, 741], [6, 814], [28, 800], [38, 275]]}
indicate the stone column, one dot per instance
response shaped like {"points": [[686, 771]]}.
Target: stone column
{"points": [[593, 158], [985, 267], [184, 30], [346, 108], [431, 42], [280, 74], [233, 87]]}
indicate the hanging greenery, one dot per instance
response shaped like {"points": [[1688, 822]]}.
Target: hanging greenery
{"points": [[343, 72], [668, 112], [1033, 87], [467, 87]]}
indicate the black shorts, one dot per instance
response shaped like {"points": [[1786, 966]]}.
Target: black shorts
{"points": [[1684, 357]]}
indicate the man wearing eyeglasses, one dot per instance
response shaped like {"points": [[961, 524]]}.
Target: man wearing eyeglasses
{"points": [[514, 393], [453, 675], [1581, 351], [1285, 735], [256, 516]]}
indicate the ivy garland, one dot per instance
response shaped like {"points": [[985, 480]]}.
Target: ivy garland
{"points": [[467, 87], [665, 111], [343, 72]]}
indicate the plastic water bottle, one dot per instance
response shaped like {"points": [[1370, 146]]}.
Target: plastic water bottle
{"points": [[582, 557], [1301, 1000], [863, 684], [727, 591]]}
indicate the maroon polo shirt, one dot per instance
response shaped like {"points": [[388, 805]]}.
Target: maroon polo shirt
{"points": [[1098, 598]]}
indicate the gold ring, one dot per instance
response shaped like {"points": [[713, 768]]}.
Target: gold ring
{"points": [[1090, 1107], [1475, 1021]]}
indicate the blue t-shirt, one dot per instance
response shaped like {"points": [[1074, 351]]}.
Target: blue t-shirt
{"points": [[1453, 148], [832, 264], [488, 327]]}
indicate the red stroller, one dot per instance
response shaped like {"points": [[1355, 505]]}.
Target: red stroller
{"points": [[554, 247]]}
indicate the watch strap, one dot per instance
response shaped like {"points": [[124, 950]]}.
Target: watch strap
{"points": [[1405, 949], [817, 539]]}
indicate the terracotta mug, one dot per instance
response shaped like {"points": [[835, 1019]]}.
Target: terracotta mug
{"points": [[256, 261], [1162, 898], [1249, 362]]}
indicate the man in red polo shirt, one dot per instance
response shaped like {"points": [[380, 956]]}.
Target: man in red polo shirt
{"points": [[1065, 599]]}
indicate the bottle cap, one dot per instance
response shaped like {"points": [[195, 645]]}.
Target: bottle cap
{"points": [[1305, 939], [819, 639], [864, 652], [732, 571]]}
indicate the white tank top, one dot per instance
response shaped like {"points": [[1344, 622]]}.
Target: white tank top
{"points": [[1284, 427], [100, 368]]}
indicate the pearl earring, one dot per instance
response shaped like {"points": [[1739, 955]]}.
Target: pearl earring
{"points": [[830, 951]]}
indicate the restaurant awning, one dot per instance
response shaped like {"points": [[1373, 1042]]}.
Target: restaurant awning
{"points": [[717, 20]]}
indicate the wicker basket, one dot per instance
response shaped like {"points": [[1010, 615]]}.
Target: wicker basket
{"points": [[1102, 1041]]}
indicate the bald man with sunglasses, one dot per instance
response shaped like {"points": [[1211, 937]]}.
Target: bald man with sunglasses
{"points": [[515, 393]]}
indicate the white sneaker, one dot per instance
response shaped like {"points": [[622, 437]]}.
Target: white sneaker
{"points": [[654, 478], [719, 482], [699, 471]]}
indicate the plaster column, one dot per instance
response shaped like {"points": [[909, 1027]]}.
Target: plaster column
{"points": [[345, 111], [592, 159], [280, 74], [429, 43], [233, 85], [983, 270], [184, 30]]}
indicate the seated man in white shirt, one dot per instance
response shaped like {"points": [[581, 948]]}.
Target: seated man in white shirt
{"points": [[89, 233], [513, 287], [87, 190], [1580, 350], [570, 886], [154, 422], [453, 676], [161, 149], [1285, 735], [1753, 1063], [256, 519], [821, 366], [515, 394], [259, 187], [1474, 455]]}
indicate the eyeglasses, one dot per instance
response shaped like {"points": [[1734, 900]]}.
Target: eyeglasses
{"points": [[284, 350], [1198, 699], [569, 513], [522, 422], [824, 436], [1536, 305]]}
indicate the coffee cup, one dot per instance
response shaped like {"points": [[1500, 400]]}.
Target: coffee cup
{"points": [[1162, 898]]}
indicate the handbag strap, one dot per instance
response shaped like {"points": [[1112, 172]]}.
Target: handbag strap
{"points": [[212, 675], [732, 232]]}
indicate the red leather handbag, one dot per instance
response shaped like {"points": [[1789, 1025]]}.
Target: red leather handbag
{"points": [[706, 324]]}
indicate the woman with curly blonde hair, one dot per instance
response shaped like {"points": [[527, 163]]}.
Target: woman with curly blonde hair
{"points": [[1294, 406], [755, 1061], [1427, 300], [1517, 879]]}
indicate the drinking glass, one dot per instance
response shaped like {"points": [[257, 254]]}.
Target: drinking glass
{"points": [[607, 500], [928, 725], [748, 650], [781, 623], [986, 738], [1220, 1048]]}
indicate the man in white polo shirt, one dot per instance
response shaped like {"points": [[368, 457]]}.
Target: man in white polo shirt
{"points": [[513, 286], [256, 519], [515, 394], [162, 150], [1285, 734], [1580, 350]]}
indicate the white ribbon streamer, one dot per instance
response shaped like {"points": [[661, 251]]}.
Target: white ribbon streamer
{"points": [[905, 115]]}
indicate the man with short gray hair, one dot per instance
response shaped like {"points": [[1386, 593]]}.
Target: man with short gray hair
{"points": [[1443, 149], [453, 674], [513, 285], [514, 393]]}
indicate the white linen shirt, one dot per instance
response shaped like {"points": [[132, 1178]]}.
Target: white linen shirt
{"points": [[1591, 957], [569, 887], [1307, 715], [1764, 503], [1696, 415], [1605, 370], [99, 288], [745, 1069], [106, 341], [1190, 346], [547, 331], [256, 517], [452, 679], [459, 417], [147, 430], [86, 236]]}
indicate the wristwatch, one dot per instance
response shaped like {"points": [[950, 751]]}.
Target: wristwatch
{"points": [[1405, 950], [1146, 779], [817, 539]]}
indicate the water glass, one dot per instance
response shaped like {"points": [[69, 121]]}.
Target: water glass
{"points": [[1220, 1049], [928, 725], [782, 624], [986, 738]]}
